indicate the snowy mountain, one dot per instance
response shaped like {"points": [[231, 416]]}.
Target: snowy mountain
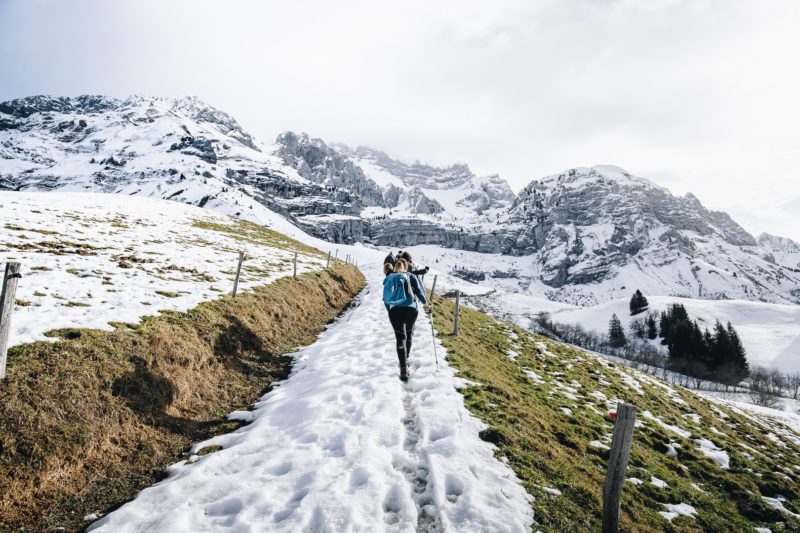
{"points": [[585, 236], [780, 250]]}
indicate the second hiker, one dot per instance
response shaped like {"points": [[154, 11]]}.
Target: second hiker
{"points": [[401, 290]]}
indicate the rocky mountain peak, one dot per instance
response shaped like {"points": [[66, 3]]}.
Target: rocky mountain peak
{"points": [[317, 162], [199, 111], [415, 174]]}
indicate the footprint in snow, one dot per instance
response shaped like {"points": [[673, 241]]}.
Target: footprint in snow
{"points": [[280, 469], [359, 477], [453, 487]]}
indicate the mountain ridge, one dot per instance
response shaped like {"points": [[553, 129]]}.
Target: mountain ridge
{"points": [[581, 236]]}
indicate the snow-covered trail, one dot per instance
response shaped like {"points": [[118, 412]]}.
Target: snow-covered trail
{"points": [[343, 445]]}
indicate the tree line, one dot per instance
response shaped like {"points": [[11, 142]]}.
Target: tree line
{"points": [[701, 357], [715, 354]]}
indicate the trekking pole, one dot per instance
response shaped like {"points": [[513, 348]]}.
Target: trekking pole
{"points": [[433, 333]]}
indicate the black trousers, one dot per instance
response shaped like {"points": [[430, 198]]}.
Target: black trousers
{"points": [[402, 319]]}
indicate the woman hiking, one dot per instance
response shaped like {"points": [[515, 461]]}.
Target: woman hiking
{"points": [[401, 290]]}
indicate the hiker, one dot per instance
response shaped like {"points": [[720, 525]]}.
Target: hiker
{"points": [[388, 263], [401, 290], [411, 266]]}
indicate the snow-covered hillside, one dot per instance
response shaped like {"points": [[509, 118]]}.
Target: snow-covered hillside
{"points": [[91, 259]]}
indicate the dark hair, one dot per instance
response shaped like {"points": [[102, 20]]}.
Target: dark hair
{"points": [[406, 256]]}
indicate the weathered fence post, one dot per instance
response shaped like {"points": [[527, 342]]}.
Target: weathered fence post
{"points": [[238, 271], [617, 465], [433, 332], [294, 274], [328, 262], [336, 257], [7, 300], [458, 306]]}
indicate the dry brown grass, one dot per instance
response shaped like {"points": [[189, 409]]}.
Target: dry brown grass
{"points": [[93, 418]]}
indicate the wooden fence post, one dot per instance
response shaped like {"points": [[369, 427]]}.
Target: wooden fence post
{"points": [[336, 257], [433, 289], [617, 465], [7, 301], [238, 271], [458, 306], [328, 262], [294, 274]]}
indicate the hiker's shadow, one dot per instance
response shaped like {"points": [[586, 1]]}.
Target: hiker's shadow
{"points": [[249, 353], [149, 394]]}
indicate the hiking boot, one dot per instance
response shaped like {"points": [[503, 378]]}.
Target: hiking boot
{"points": [[403, 375]]}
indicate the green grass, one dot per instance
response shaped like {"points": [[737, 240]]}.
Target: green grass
{"points": [[76, 304], [256, 234], [168, 294], [549, 448], [14, 227]]}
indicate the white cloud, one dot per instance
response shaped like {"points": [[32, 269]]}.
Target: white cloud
{"points": [[697, 95]]}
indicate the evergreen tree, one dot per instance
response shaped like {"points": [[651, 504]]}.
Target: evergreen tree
{"points": [[737, 367], [638, 303], [663, 327], [678, 312], [720, 346], [616, 333], [679, 345], [652, 328]]}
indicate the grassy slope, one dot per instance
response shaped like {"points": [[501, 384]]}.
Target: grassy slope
{"points": [[93, 418], [548, 448]]}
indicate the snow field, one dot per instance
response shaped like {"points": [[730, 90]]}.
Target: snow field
{"points": [[90, 259], [343, 445]]}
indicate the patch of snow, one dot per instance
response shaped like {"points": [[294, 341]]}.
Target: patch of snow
{"points": [[534, 376], [552, 490], [242, 416], [675, 429], [774, 438], [694, 417], [716, 454], [697, 487], [658, 483], [777, 503], [675, 510]]}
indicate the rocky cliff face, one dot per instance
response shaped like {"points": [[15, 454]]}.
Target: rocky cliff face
{"points": [[582, 236], [318, 163]]}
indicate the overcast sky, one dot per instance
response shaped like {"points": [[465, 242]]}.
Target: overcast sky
{"points": [[700, 96]]}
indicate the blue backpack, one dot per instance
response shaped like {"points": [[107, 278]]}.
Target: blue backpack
{"points": [[397, 291]]}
